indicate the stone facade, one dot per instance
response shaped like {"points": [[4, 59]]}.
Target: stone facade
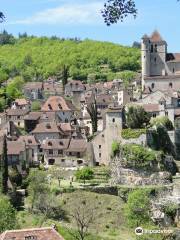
{"points": [[160, 70]]}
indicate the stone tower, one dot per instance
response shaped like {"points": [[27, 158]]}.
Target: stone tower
{"points": [[153, 56]]}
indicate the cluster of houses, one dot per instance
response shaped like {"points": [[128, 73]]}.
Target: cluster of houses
{"points": [[59, 132]]}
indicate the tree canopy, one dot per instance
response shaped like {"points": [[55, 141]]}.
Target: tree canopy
{"points": [[37, 58]]}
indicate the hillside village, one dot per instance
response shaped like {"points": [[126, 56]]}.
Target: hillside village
{"points": [[129, 134]]}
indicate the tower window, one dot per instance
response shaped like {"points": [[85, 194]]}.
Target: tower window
{"points": [[155, 59], [170, 85], [173, 70], [113, 120], [152, 48], [152, 85], [155, 47]]}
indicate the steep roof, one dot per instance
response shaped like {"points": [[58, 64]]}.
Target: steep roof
{"points": [[37, 233], [77, 145], [17, 112], [21, 101], [156, 37], [15, 147], [29, 140], [47, 127], [55, 144], [57, 103]]}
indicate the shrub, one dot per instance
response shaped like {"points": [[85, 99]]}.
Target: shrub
{"points": [[85, 174], [115, 148], [132, 133], [162, 121]]}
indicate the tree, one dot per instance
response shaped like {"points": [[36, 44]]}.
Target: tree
{"points": [[115, 10], [63, 75], [137, 117], [36, 106], [2, 17], [162, 121], [8, 214], [4, 168], [85, 174], [83, 215], [92, 110], [138, 207]]}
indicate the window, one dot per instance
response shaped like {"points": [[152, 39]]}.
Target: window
{"points": [[60, 152], [99, 146], [70, 153], [170, 85], [113, 120], [152, 48], [50, 151], [49, 143], [66, 120], [155, 59], [152, 85], [31, 238], [154, 115], [166, 113], [173, 70], [99, 155], [155, 47]]}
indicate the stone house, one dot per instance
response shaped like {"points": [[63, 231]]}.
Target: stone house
{"points": [[65, 152], [63, 108], [31, 120], [33, 90], [21, 103], [32, 147], [45, 233], [17, 116], [49, 130]]}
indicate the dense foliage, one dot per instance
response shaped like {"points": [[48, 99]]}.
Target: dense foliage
{"points": [[138, 207], [38, 58], [7, 213], [85, 174], [137, 117], [162, 120], [132, 133], [138, 156]]}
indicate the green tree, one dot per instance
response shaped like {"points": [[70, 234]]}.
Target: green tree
{"points": [[8, 215], [14, 88], [92, 110], [137, 207], [36, 106], [4, 168], [137, 117], [84, 174], [162, 121], [115, 148]]}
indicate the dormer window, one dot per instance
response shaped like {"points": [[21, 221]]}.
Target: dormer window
{"points": [[49, 106], [59, 105]]}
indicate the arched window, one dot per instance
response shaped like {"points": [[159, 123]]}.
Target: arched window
{"points": [[170, 85], [152, 85]]}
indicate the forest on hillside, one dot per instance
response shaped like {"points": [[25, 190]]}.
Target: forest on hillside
{"points": [[37, 58]]}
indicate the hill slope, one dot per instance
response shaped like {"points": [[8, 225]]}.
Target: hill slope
{"points": [[38, 58]]}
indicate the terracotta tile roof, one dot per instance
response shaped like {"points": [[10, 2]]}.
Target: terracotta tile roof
{"points": [[47, 127], [33, 116], [33, 85], [77, 145], [151, 107], [15, 147], [55, 144], [57, 103], [156, 37], [48, 116], [29, 140], [21, 101], [37, 233], [17, 112]]}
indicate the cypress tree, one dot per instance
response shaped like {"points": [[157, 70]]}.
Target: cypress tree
{"points": [[4, 168]]}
